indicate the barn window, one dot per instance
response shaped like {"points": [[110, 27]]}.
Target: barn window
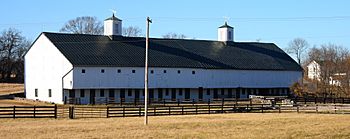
{"points": [[82, 93], [119, 70], [49, 92], [83, 71], [178, 71], [36, 92], [167, 91], [102, 93], [180, 92], [71, 93], [193, 72], [133, 71], [102, 70], [111, 93], [208, 92], [129, 92], [152, 71], [164, 71]]}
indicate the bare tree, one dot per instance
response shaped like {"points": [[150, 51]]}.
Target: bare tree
{"points": [[297, 47], [132, 31], [171, 35], [83, 25], [12, 48]]}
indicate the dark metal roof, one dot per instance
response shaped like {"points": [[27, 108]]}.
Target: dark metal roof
{"points": [[225, 26], [113, 18], [99, 50]]}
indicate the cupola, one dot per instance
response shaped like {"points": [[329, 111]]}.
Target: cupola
{"points": [[113, 26], [225, 33]]}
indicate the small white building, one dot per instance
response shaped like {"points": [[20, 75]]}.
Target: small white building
{"points": [[89, 68], [314, 70]]}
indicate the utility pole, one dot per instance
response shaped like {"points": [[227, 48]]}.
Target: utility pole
{"points": [[146, 70]]}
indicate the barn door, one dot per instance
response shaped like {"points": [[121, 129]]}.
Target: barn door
{"points": [[187, 93], [92, 96], [200, 93], [173, 94]]}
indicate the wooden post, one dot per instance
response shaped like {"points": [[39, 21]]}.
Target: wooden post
{"points": [[169, 111], [14, 112], [298, 108], [316, 108], [335, 109], [279, 108], [222, 107], [192, 102], [55, 111], [155, 111], [196, 109], [139, 111], [262, 108], [34, 110], [146, 70], [107, 111], [250, 101], [182, 110], [234, 108], [123, 111], [178, 102], [209, 109]]}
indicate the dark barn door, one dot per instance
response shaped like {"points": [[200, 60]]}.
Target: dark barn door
{"points": [[173, 94], [92, 96], [187, 93], [200, 93]]}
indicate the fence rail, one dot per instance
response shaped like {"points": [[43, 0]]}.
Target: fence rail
{"points": [[28, 111], [132, 111]]}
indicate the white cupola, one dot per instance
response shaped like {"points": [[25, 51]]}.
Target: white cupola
{"points": [[112, 26], [225, 33]]}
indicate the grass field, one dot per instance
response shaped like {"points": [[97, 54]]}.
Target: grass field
{"points": [[9, 88], [243, 125]]}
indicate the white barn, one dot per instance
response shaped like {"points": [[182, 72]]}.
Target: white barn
{"points": [[61, 66]]}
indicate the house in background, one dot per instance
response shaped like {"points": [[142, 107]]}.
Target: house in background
{"points": [[61, 66], [314, 73]]}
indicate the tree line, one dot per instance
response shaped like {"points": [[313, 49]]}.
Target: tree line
{"points": [[331, 75]]}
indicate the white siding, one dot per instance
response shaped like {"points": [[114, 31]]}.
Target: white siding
{"points": [[44, 68], [206, 78]]}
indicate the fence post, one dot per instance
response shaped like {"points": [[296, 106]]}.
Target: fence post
{"points": [[123, 111], [316, 100], [209, 109], [262, 108], [196, 109], [169, 111], [164, 102], [298, 108], [250, 101], [343, 100], [71, 112], [34, 111], [14, 112], [139, 111], [55, 111], [234, 108], [209, 101], [178, 102], [192, 102], [107, 111], [182, 110], [335, 109], [304, 100], [222, 106], [316, 108], [279, 108], [155, 111]]}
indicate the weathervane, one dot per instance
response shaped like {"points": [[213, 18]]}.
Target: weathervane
{"points": [[113, 11], [226, 18]]}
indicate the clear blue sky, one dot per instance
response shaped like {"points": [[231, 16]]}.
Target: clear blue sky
{"points": [[277, 21]]}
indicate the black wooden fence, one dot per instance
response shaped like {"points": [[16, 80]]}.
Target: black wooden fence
{"points": [[132, 111], [28, 111]]}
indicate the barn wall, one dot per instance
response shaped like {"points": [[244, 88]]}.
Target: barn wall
{"points": [[206, 78], [44, 68]]}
